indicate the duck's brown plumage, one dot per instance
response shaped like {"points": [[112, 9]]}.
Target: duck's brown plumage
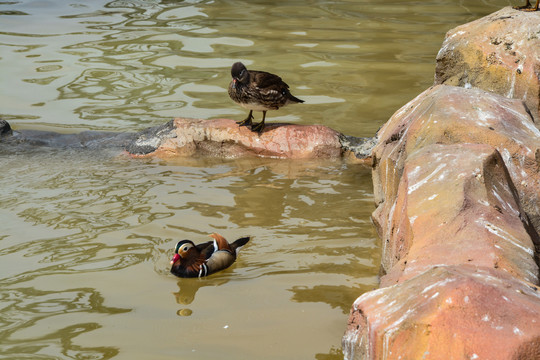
{"points": [[258, 91], [200, 260]]}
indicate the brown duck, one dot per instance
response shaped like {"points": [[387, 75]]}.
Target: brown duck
{"points": [[258, 91], [528, 6], [192, 260]]}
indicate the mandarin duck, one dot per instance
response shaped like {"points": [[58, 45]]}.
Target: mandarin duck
{"points": [[192, 260], [258, 91]]}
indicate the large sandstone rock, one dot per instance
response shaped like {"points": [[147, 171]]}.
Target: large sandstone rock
{"points": [[457, 205], [498, 53], [447, 312], [456, 176], [456, 181], [453, 115]]}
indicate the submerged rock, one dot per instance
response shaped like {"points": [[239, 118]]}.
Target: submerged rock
{"points": [[20, 140], [5, 128], [498, 53]]}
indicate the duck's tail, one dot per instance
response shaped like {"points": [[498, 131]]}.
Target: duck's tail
{"points": [[237, 244], [294, 99]]}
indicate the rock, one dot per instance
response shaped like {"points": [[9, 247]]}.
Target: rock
{"points": [[447, 312], [456, 176], [453, 115], [219, 138], [360, 148], [457, 184], [224, 138], [457, 205], [150, 139], [498, 53], [5, 128]]}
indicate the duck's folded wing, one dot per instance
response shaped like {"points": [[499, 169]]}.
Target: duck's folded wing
{"points": [[220, 260], [264, 80], [206, 249]]}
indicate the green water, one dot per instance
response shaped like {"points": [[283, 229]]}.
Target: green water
{"points": [[86, 236]]}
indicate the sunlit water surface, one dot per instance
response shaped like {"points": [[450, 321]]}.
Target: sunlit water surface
{"points": [[86, 236]]}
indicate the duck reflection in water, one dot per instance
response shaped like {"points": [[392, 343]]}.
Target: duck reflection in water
{"points": [[187, 288]]}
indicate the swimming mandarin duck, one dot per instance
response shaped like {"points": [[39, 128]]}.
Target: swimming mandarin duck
{"points": [[258, 91], [528, 7], [192, 260]]}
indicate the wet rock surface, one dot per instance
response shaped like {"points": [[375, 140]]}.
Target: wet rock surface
{"points": [[148, 140]]}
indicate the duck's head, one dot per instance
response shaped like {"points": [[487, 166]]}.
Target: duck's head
{"points": [[182, 250], [239, 73]]}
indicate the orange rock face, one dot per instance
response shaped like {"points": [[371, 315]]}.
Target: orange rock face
{"points": [[450, 313], [453, 115], [457, 205], [498, 53], [456, 179]]}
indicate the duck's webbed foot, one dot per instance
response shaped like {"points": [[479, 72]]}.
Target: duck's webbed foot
{"points": [[260, 126], [247, 121]]}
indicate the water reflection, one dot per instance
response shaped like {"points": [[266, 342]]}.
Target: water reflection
{"points": [[103, 220], [126, 65], [34, 322], [187, 288]]}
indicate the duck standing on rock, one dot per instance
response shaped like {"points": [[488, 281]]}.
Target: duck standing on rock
{"points": [[258, 91], [192, 260]]}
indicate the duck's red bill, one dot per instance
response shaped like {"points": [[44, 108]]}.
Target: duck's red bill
{"points": [[175, 258]]}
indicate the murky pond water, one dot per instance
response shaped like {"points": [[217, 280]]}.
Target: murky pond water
{"points": [[86, 236]]}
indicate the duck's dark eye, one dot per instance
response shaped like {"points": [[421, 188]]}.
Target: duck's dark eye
{"points": [[185, 248]]}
